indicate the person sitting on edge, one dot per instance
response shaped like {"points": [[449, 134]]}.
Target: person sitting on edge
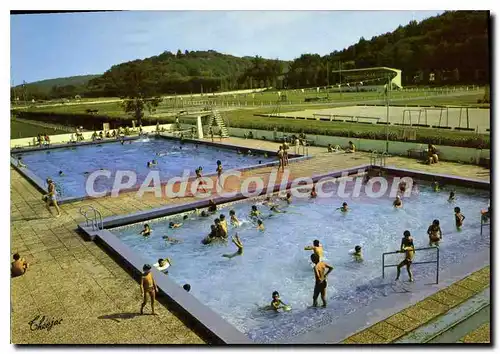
{"points": [[94, 135], [19, 266], [408, 248], [186, 287], [451, 198], [398, 203], [20, 162], [101, 135], [236, 240], [277, 304], [254, 213], [163, 265], [351, 148], [344, 208], [146, 231], [313, 192], [459, 218], [485, 215], [173, 225], [234, 220], [435, 233], [357, 255], [330, 148], [432, 154], [316, 247], [212, 207], [260, 225]]}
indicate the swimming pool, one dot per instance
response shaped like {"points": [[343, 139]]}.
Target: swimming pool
{"points": [[77, 161], [275, 259]]}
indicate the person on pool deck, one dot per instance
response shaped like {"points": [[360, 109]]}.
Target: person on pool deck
{"points": [[212, 207], [276, 302], [236, 240], [408, 248], [320, 274], [435, 233], [234, 220], [313, 192], [316, 247], [219, 168], [344, 208], [199, 176], [146, 231], [148, 287], [330, 148], [255, 212], [351, 148], [51, 197], [20, 162], [19, 266], [260, 225], [398, 203], [357, 255], [281, 158], [173, 225], [451, 198], [459, 218], [432, 154], [286, 147]]}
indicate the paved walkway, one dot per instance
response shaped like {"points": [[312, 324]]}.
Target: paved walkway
{"points": [[78, 282]]}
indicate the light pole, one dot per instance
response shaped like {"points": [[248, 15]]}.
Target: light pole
{"points": [[387, 117]]}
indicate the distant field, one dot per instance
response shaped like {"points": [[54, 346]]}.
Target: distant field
{"points": [[26, 130]]}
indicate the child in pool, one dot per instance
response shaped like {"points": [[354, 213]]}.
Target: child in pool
{"points": [[357, 255], [223, 222], [236, 240], [260, 225], [459, 218], [313, 192], [397, 203], [344, 208], [173, 225], [435, 233], [146, 231], [316, 247], [163, 264], [485, 215], [277, 304], [255, 212], [234, 220], [435, 186], [451, 198], [171, 240]]}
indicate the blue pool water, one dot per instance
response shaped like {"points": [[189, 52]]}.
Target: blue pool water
{"points": [[275, 259], [75, 161]]}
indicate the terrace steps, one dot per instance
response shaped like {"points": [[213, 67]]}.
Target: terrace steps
{"points": [[219, 122]]}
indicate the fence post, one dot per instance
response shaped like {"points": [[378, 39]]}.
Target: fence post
{"points": [[383, 266]]}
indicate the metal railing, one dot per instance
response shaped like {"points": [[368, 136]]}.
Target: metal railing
{"points": [[379, 158], [413, 263], [94, 220], [483, 223]]}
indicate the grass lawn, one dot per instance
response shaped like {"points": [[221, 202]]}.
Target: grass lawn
{"points": [[26, 130]]}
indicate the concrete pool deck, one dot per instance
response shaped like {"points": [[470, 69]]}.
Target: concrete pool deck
{"points": [[79, 282]]}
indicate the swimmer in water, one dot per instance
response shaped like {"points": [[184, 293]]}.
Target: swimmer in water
{"points": [[260, 225], [277, 304], [451, 198], [313, 192], [435, 186], [316, 247], [221, 231], [163, 264], [171, 240], [146, 231], [223, 222], [173, 225], [459, 218], [236, 240], [435, 233], [255, 212], [402, 186], [234, 220], [288, 198], [408, 248], [212, 207], [61, 173], [204, 214], [485, 215], [357, 255], [344, 208], [397, 203]]}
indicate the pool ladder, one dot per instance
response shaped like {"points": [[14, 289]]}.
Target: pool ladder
{"points": [[378, 158], [92, 216]]}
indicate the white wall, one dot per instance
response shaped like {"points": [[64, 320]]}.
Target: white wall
{"points": [[448, 153], [64, 138]]}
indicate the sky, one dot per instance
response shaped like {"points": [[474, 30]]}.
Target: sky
{"points": [[45, 46]]}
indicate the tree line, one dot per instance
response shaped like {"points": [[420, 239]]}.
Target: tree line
{"points": [[452, 48]]}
